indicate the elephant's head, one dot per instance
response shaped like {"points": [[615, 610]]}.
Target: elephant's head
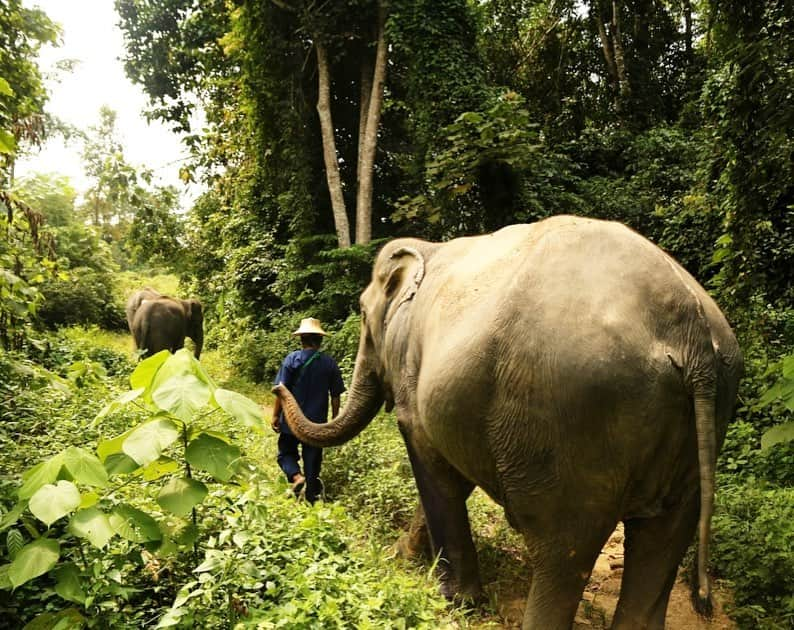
{"points": [[396, 276], [194, 324]]}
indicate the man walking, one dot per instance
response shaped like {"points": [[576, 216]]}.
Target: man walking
{"points": [[312, 377]]}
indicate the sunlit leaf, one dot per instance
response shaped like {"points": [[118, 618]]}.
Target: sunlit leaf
{"points": [[8, 143], [182, 395], [93, 525], [240, 407], [144, 373], [40, 475], [105, 448], [84, 467], [213, 560], [54, 501], [163, 466], [147, 441], [33, 560]]}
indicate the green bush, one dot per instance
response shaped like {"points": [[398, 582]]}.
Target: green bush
{"points": [[66, 346], [84, 297], [273, 564], [753, 547]]}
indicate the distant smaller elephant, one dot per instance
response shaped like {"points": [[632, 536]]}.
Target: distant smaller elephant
{"points": [[159, 322]]}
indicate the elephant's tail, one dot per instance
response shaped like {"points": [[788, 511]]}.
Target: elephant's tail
{"points": [[705, 425], [698, 360]]}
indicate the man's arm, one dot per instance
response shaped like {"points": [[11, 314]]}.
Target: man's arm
{"points": [[334, 406]]}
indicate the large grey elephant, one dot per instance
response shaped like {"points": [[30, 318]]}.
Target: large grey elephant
{"points": [[159, 322], [572, 370]]}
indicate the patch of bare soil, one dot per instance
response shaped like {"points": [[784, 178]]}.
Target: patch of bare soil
{"points": [[601, 597]]}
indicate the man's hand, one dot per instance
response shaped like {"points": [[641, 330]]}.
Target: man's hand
{"points": [[274, 423]]}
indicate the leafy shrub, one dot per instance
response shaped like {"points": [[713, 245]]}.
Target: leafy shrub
{"points": [[274, 564], [754, 549], [84, 297], [83, 498], [69, 345]]}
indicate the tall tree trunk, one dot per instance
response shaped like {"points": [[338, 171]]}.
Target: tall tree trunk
{"points": [[329, 147], [367, 68], [614, 57], [367, 146], [606, 47], [624, 88]]}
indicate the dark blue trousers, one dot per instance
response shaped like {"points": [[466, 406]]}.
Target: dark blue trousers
{"points": [[288, 458]]}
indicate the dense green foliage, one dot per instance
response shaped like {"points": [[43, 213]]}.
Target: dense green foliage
{"points": [[675, 118]]}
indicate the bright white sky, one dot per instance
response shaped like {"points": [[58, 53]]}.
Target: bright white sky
{"points": [[91, 36]]}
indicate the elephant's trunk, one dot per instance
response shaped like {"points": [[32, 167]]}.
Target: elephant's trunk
{"points": [[198, 343], [362, 405]]}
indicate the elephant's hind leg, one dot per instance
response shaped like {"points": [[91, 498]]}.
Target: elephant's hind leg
{"points": [[653, 550], [561, 566]]}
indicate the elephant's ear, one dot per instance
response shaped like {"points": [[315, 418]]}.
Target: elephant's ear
{"points": [[404, 277]]}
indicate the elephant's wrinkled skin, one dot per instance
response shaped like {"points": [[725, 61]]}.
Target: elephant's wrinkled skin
{"points": [[159, 322], [572, 370]]}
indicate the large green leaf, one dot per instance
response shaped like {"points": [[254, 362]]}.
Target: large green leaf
{"points": [[162, 467], [182, 395], [120, 464], [54, 501], [5, 88], [85, 468], [93, 525], [144, 373], [33, 560], [68, 584], [105, 448], [178, 364], [179, 496], [147, 441], [213, 456], [240, 407], [8, 143], [41, 474], [134, 525], [776, 435]]}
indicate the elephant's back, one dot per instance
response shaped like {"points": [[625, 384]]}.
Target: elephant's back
{"points": [[561, 331]]}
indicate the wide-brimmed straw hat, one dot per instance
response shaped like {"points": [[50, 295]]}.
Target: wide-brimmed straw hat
{"points": [[310, 326]]}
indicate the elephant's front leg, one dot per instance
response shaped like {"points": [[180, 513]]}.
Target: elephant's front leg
{"points": [[443, 493]]}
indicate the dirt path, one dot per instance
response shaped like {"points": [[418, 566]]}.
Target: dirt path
{"points": [[601, 596]]}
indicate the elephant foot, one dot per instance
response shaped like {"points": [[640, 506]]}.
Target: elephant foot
{"points": [[460, 592]]}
